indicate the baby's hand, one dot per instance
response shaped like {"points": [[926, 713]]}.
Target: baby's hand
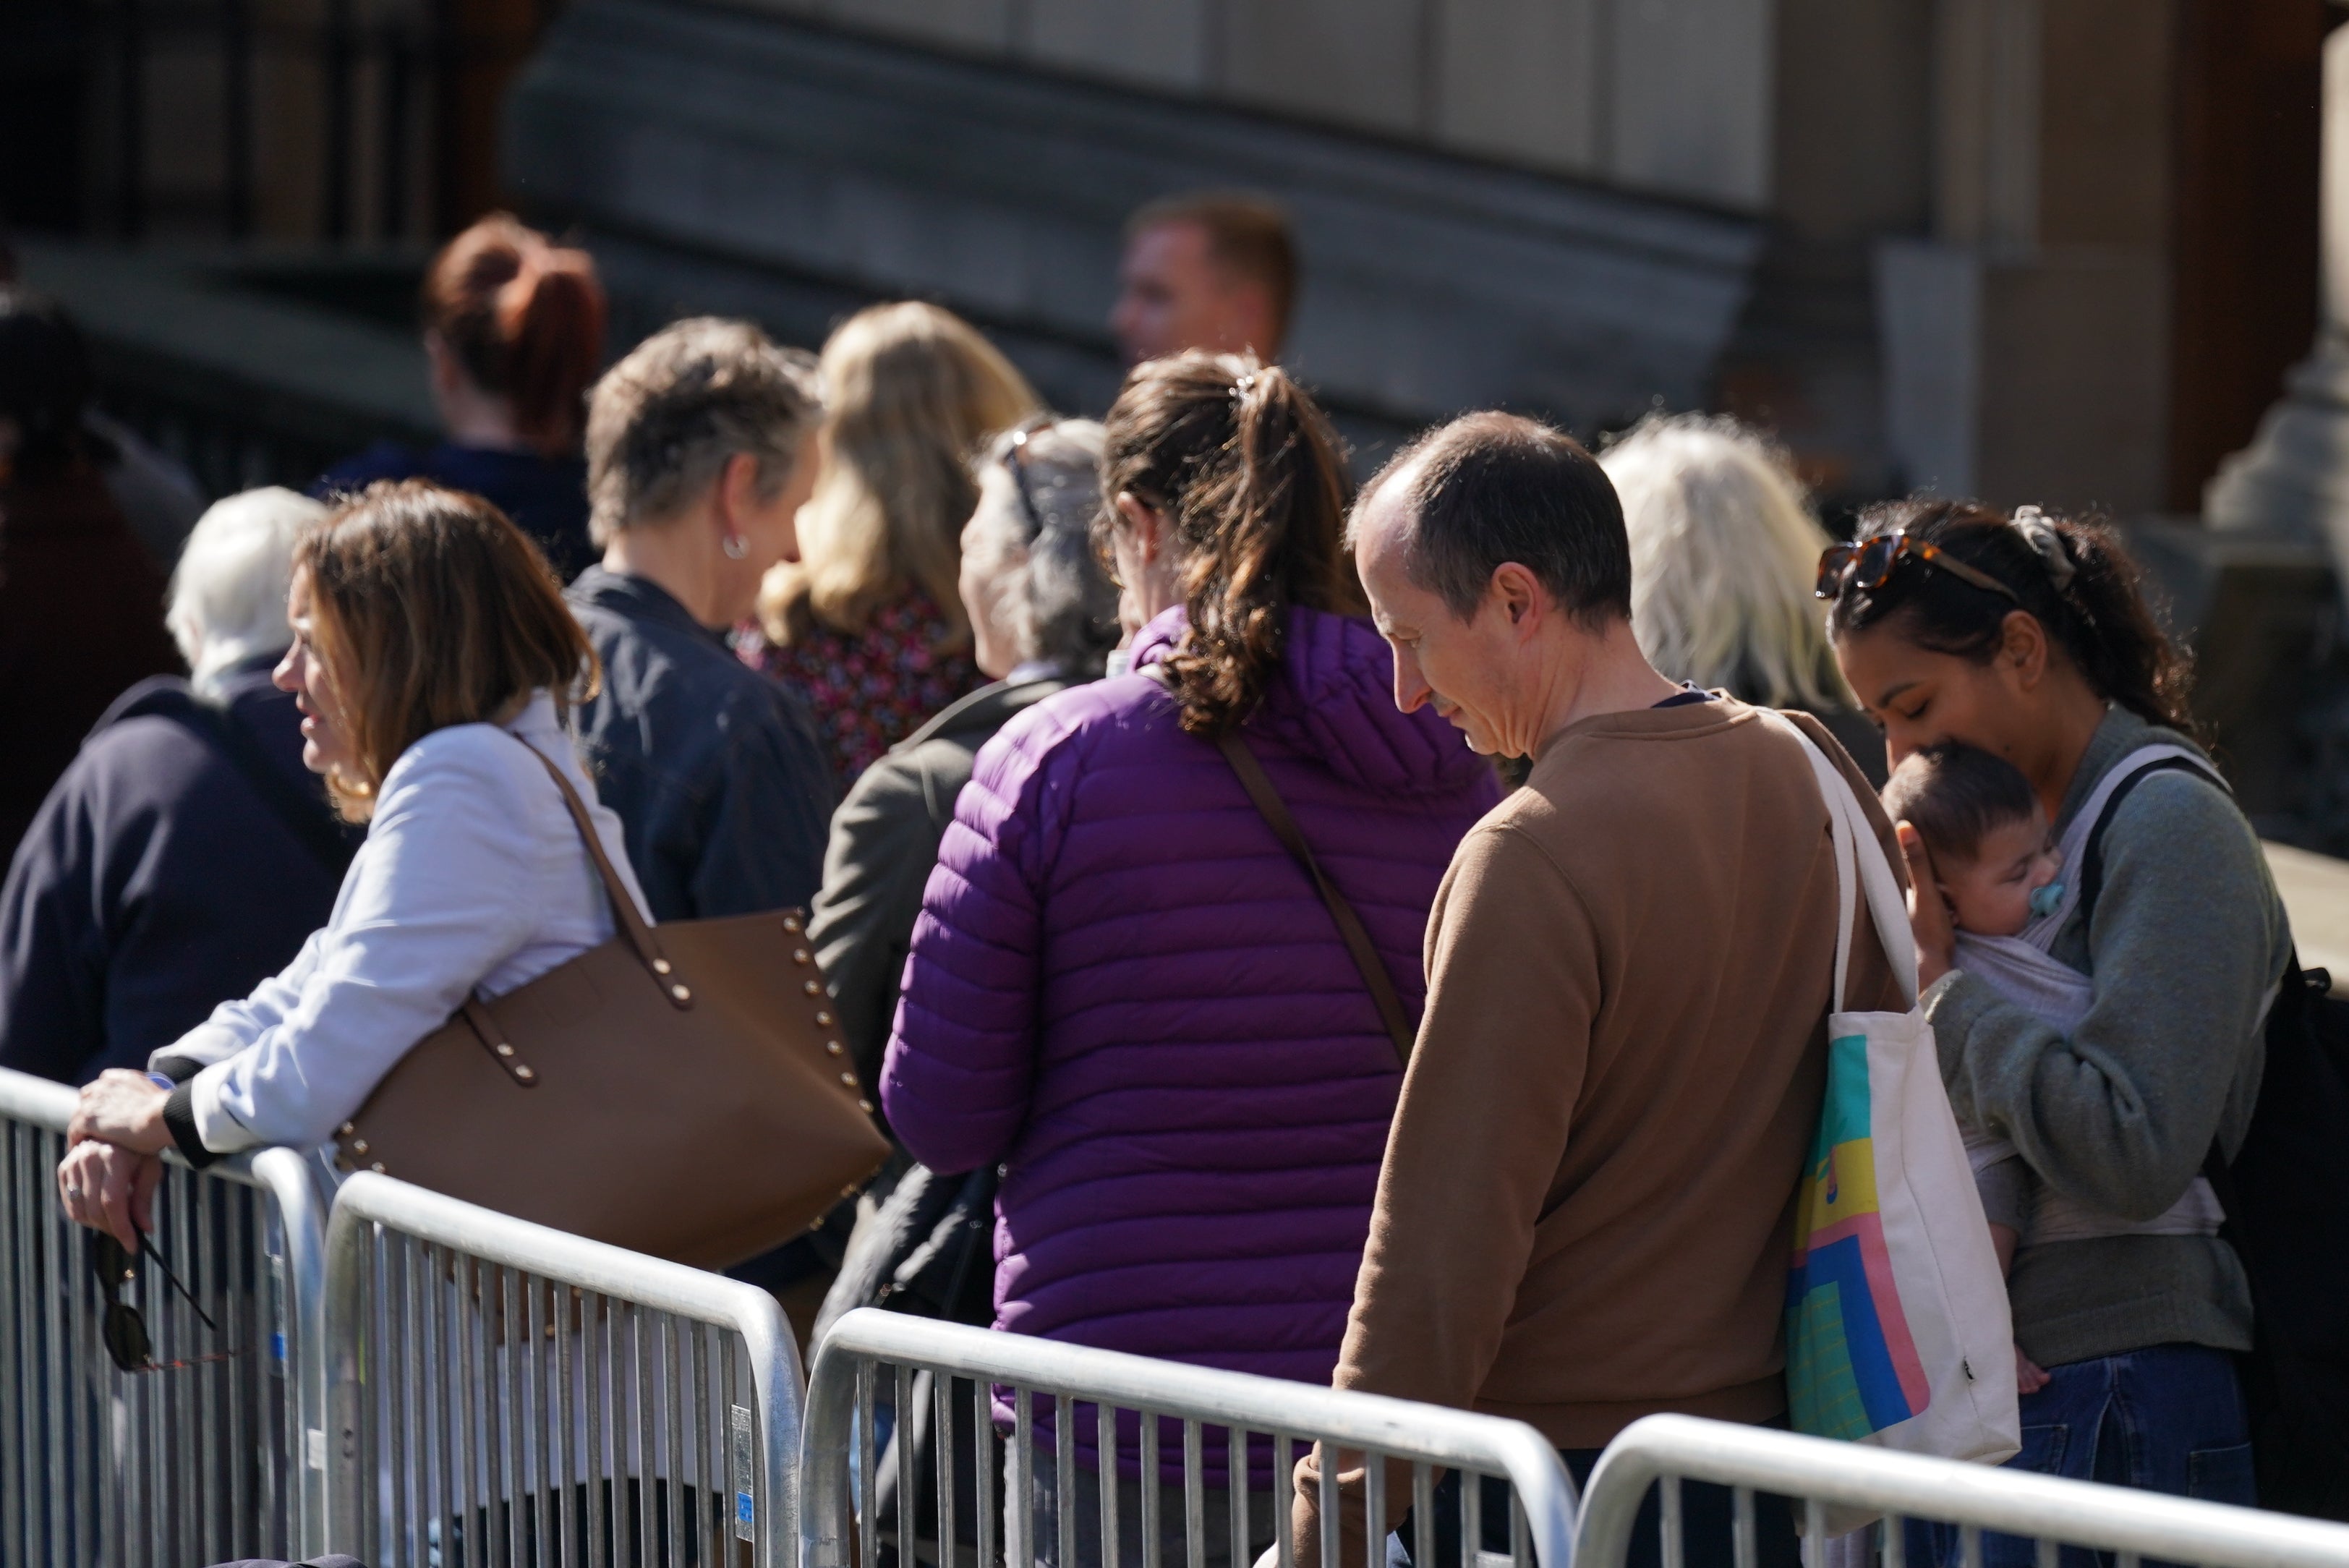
{"points": [[2029, 1378]]}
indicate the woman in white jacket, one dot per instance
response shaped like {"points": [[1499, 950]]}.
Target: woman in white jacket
{"points": [[433, 662]]}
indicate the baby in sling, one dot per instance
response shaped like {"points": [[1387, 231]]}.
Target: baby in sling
{"points": [[2010, 887]]}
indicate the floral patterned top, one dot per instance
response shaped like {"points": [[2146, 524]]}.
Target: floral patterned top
{"points": [[869, 690]]}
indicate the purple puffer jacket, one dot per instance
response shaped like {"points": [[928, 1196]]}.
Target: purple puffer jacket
{"points": [[1123, 989]]}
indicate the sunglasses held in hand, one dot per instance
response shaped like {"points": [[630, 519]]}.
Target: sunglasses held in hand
{"points": [[122, 1330]]}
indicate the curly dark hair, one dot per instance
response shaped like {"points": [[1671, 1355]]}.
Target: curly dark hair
{"points": [[1247, 474], [2098, 619]]}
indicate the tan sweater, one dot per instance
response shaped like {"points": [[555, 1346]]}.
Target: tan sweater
{"points": [[1586, 1212]]}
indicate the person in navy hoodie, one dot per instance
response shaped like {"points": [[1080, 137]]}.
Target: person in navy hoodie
{"points": [[186, 853], [514, 325]]}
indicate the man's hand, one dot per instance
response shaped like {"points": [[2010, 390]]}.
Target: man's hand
{"points": [[123, 1108], [110, 1190], [1929, 916]]}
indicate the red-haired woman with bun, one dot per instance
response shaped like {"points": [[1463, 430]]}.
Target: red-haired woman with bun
{"points": [[514, 325]]}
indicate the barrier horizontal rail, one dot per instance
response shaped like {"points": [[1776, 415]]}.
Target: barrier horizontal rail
{"points": [[651, 1420], [214, 1451], [1821, 1474], [839, 1441]]}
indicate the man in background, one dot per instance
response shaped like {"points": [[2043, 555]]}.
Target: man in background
{"points": [[1208, 270]]}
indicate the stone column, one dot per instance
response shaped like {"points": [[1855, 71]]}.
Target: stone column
{"points": [[2294, 479]]}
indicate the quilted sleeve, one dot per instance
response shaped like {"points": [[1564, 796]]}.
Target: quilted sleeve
{"points": [[962, 1055]]}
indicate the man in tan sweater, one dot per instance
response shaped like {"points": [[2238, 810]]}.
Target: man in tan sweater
{"points": [[1586, 1212]]}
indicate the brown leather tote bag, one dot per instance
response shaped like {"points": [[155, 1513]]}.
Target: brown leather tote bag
{"points": [[681, 1090]]}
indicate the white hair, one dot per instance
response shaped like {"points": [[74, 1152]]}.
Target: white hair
{"points": [[1060, 605], [228, 592], [1724, 554]]}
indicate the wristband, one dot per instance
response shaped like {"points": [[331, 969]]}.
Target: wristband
{"points": [[161, 1082]]}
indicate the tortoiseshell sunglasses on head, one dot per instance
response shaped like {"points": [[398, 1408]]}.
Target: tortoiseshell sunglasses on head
{"points": [[1868, 564]]}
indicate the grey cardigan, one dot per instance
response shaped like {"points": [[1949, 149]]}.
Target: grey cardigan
{"points": [[2183, 945], [884, 840]]}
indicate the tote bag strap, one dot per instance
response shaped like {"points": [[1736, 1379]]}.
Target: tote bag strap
{"points": [[1856, 842], [626, 917]]}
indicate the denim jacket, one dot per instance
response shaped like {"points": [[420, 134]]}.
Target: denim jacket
{"points": [[714, 769]]}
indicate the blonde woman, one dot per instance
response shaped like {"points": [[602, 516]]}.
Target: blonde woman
{"points": [[1724, 553], [867, 626]]}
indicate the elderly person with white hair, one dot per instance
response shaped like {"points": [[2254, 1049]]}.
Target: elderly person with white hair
{"points": [[1724, 554], [186, 853], [1043, 616]]}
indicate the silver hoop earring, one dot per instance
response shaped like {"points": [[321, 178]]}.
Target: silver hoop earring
{"points": [[735, 547]]}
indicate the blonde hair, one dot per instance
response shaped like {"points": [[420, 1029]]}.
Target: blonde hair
{"points": [[1724, 554], [911, 393]]}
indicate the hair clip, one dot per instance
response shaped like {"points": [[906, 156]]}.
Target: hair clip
{"points": [[1244, 385], [2045, 543]]}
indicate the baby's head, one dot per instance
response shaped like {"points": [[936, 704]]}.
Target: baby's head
{"points": [[1987, 832]]}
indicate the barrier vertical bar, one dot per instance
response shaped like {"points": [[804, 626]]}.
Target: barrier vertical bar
{"points": [[540, 1362], [1122, 1387]]}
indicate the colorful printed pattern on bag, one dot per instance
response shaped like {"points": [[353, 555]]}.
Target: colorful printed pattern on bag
{"points": [[1852, 1368]]}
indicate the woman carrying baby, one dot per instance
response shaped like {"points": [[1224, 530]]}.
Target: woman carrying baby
{"points": [[2026, 638]]}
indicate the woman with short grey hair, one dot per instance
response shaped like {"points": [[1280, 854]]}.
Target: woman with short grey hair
{"points": [[701, 448], [1030, 578], [1043, 617]]}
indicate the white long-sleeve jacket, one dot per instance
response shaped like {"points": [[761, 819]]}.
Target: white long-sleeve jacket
{"points": [[473, 878]]}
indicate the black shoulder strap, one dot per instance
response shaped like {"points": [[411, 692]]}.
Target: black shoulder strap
{"points": [[1275, 811], [2292, 990], [2092, 871], [304, 816], [1350, 930]]}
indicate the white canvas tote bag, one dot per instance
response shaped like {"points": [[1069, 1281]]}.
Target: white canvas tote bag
{"points": [[1898, 1332]]}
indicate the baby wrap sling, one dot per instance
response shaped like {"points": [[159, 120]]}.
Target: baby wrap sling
{"points": [[2021, 970]]}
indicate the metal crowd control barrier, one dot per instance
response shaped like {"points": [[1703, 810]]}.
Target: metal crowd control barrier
{"points": [[1087, 1387], [1819, 1475], [504, 1394], [214, 1451]]}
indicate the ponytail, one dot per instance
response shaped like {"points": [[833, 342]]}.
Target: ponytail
{"points": [[525, 320], [2070, 575], [1246, 470]]}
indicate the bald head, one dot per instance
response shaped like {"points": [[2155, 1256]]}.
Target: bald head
{"points": [[1489, 488], [1493, 553]]}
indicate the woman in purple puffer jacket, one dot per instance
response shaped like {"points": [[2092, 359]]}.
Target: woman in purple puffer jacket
{"points": [[1123, 989]]}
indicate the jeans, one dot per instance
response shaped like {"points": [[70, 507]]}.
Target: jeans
{"points": [[2167, 1418]]}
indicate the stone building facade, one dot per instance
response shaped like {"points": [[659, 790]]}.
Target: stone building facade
{"points": [[2053, 250], [2029, 249]]}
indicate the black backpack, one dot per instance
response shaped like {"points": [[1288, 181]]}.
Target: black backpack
{"points": [[2286, 1195]]}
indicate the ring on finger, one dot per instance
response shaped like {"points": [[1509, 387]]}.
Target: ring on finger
{"points": [[73, 1192]]}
